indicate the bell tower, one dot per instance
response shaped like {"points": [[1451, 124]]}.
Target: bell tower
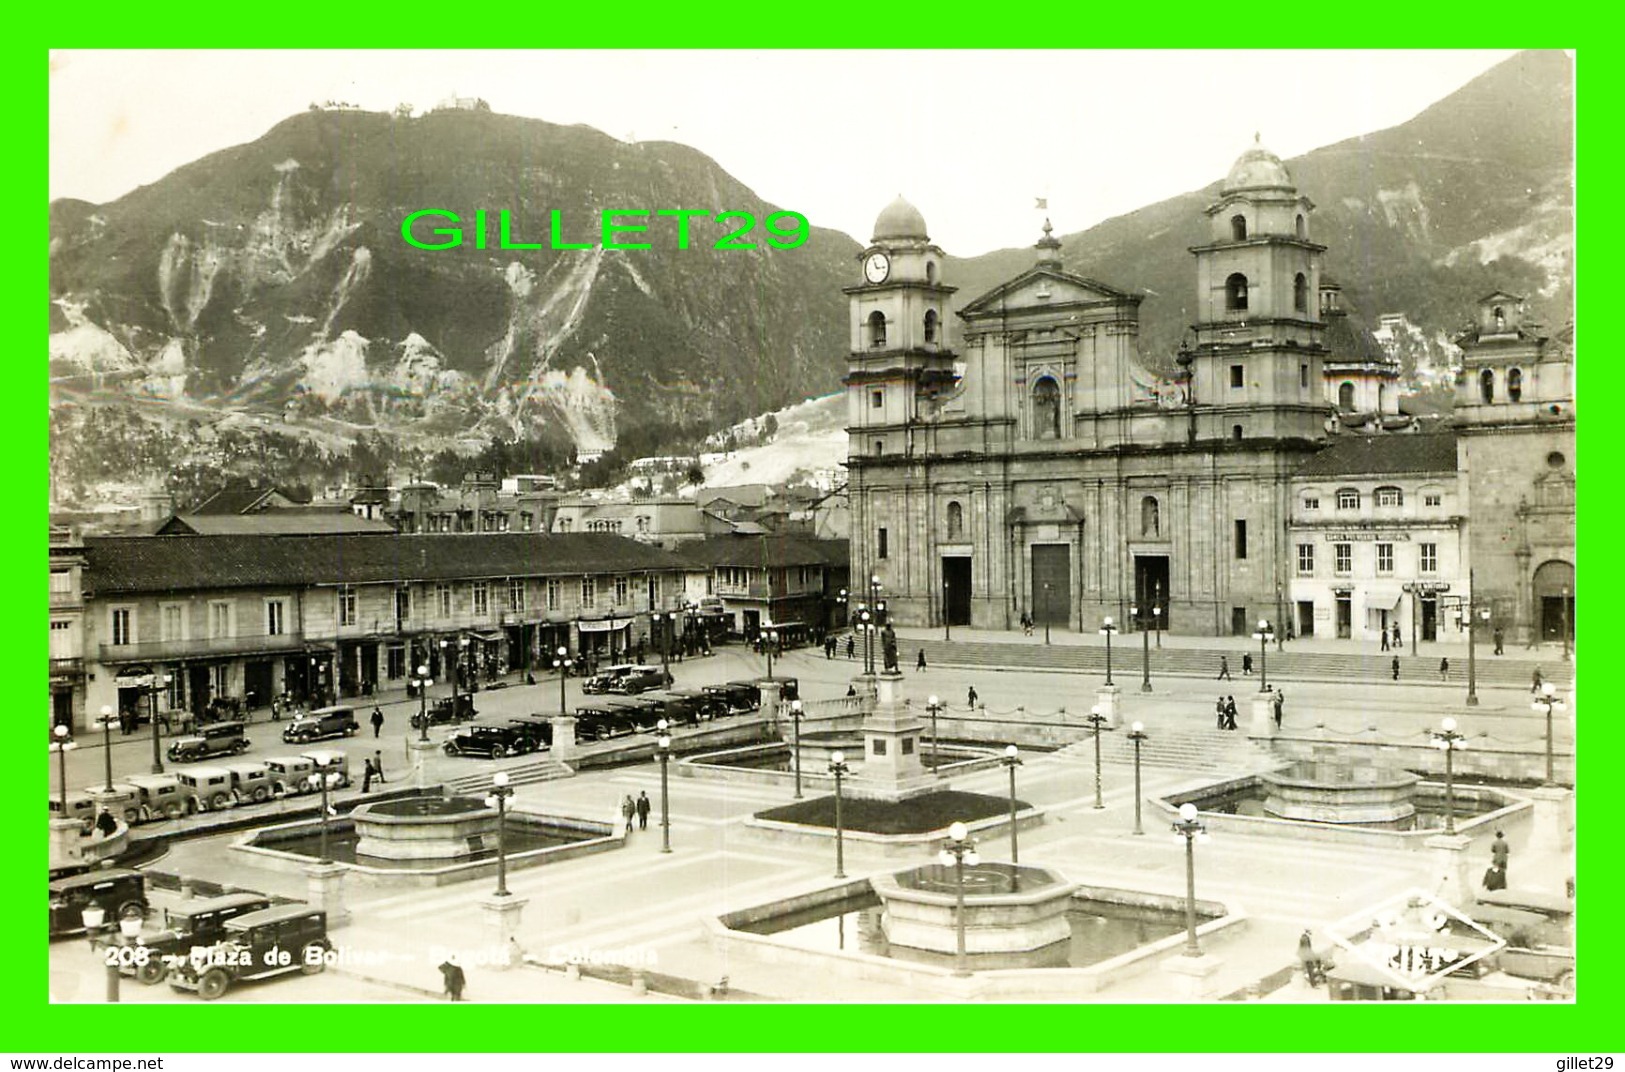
{"points": [[1256, 369]]}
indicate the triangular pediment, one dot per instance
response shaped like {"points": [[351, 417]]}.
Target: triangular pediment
{"points": [[1041, 288]]}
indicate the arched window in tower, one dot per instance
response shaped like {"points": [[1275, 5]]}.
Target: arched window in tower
{"points": [[877, 329], [931, 272], [1302, 228], [1486, 385], [1345, 397], [1150, 517], [930, 325], [1500, 318], [1300, 293], [1046, 409], [1238, 228], [1235, 292], [1514, 384], [956, 521]]}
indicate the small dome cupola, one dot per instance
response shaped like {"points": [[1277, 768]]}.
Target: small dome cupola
{"points": [[1049, 248], [1257, 169], [900, 220]]}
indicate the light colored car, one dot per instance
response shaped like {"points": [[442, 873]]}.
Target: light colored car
{"points": [[250, 782], [330, 761], [210, 786], [162, 796], [291, 775]]}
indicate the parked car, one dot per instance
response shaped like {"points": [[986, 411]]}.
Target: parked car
{"points": [[119, 891], [328, 761], [444, 711], [195, 923], [124, 802], [600, 682], [217, 739], [493, 742], [258, 945], [737, 697], [643, 713], [81, 806], [601, 722], [162, 796], [708, 705], [291, 775], [250, 782], [210, 787], [640, 679], [540, 727], [321, 724], [676, 708]]}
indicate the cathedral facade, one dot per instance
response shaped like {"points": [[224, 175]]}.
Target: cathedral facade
{"points": [[1022, 462]]}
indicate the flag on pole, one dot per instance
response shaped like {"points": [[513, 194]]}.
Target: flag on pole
{"points": [[1041, 202]]}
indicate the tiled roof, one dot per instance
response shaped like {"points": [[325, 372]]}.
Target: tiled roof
{"points": [[757, 551], [1433, 452], [181, 563], [237, 499], [273, 523]]}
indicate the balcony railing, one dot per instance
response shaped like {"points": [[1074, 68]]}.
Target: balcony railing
{"points": [[757, 590], [157, 650], [66, 665]]}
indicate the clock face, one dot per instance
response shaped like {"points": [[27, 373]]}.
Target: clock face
{"points": [[876, 268]]}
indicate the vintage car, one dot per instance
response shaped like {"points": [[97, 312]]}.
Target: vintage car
{"points": [[675, 708], [217, 739], [603, 721], [81, 806], [321, 724], [291, 775], [120, 892], [328, 761], [643, 713], [445, 710], [640, 679], [492, 742], [124, 802], [600, 682], [250, 782], [539, 727], [209, 786], [707, 704], [738, 697], [199, 922], [258, 945], [162, 796]]}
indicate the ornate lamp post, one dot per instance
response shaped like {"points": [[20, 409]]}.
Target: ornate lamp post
{"points": [[868, 640], [1451, 742], [934, 706], [158, 681], [562, 663], [1012, 760], [1565, 623], [1472, 639], [326, 781], [1547, 701], [498, 798], [1138, 735], [1264, 635], [1156, 614], [957, 852], [129, 927], [1190, 828], [1145, 648], [107, 743], [838, 768], [1106, 630], [1097, 720], [947, 636], [1046, 611], [1280, 616], [423, 681], [795, 721], [62, 746], [663, 753], [770, 640]]}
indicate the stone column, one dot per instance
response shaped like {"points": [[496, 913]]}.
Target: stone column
{"points": [[501, 918], [1194, 977], [1107, 698], [326, 886], [770, 701], [420, 751], [65, 841], [1262, 724], [1553, 812], [1448, 877], [563, 748]]}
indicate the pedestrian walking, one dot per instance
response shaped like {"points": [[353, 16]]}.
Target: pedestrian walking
{"points": [[1218, 710], [1224, 670], [1535, 685], [1279, 703], [1500, 850], [451, 973], [628, 811], [851, 645], [1229, 712], [1495, 878], [1444, 669], [1500, 637], [378, 765], [1384, 634], [1399, 641], [366, 778], [919, 661], [970, 697], [377, 720], [643, 810], [1246, 664]]}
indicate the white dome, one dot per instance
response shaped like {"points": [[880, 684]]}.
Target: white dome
{"points": [[900, 220]]}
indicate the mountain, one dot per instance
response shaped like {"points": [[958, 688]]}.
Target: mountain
{"points": [[272, 279], [1473, 194]]}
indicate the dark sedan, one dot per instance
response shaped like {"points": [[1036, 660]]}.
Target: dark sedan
{"points": [[493, 742]]}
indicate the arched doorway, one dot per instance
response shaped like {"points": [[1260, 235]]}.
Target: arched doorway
{"points": [[1554, 600]]}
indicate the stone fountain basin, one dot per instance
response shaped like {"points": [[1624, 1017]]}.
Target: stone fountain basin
{"points": [[1340, 793], [425, 828], [920, 908]]}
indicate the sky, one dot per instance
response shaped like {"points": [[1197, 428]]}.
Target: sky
{"points": [[971, 138]]}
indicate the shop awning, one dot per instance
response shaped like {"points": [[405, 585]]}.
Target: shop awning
{"points": [[1383, 596], [489, 638], [602, 625]]}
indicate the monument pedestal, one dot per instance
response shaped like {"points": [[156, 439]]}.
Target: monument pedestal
{"points": [[1554, 810], [501, 918], [563, 747], [891, 747], [1107, 698], [1262, 723], [420, 751], [1194, 978], [1447, 855], [326, 886]]}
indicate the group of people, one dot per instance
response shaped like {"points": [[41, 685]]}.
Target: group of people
{"points": [[374, 771], [636, 809], [1226, 709], [1224, 667]]}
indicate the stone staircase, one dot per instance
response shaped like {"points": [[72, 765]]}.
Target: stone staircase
{"points": [[1211, 751], [1287, 665], [542, 769]]}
